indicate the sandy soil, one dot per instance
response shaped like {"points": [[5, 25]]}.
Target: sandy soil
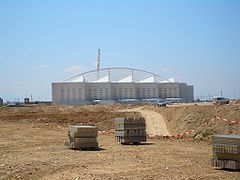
{"points": [[31, 147]]}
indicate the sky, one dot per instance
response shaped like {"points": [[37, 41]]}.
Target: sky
{"points": [[196, 42]]}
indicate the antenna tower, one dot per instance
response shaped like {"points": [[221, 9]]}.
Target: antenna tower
{"points": [[98, 60]]}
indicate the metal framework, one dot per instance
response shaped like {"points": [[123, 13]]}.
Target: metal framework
{"points": [[117, 75]]}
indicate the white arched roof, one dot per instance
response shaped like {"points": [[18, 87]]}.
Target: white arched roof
{"points": [[117, 75]]}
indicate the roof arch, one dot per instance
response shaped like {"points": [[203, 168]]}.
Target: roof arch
{"points": [[118, 75]]}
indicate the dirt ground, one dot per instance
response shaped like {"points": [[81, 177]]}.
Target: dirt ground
{"points": [[31, 145], [201, 118]]}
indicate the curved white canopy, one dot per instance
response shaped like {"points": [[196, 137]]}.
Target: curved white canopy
{"points": [[117, 75]]}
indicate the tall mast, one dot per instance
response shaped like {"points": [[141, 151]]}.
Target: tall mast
{"points": [[98, 60]]}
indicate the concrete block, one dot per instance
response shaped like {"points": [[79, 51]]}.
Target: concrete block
{"points": [[228, 164], [130, 130], [235, 157], [82, 136], [226, 139], [80, 143], [226, 149]]}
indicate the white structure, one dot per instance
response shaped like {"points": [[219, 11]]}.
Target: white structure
{"points": [[117, 84]]}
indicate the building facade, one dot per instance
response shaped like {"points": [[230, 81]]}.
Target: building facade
{"points": [[117, 84]]}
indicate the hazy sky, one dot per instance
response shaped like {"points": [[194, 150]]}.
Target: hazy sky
{"points": [[197, 42]]}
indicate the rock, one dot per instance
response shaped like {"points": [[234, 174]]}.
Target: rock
{"points": [[84, 166]]}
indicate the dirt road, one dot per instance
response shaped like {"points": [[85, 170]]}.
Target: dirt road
{"points": [[155, 124]]}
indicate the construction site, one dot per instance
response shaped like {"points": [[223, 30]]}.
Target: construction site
{"points": [[129, 90], [116, 123], [178, 144]]}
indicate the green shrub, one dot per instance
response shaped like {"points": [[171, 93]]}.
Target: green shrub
{"points": [[208, 132]]}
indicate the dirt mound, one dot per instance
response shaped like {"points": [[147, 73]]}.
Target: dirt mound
{"points": [[201, 118], [100, 115], [181, 118]]}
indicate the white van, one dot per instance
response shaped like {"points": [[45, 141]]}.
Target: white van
{"points": [[220, 100]]}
